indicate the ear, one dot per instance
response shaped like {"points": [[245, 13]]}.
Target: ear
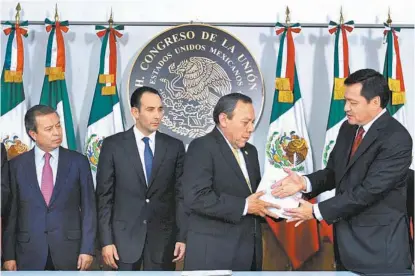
{"points": [[135, 112], [223, 119], [33, 134], [376, 101]]}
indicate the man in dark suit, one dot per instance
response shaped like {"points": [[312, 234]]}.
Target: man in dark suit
{"points": [[410, 209], [52, 220], [368, 167], [141, 216], [5, 186], [221, 175]]}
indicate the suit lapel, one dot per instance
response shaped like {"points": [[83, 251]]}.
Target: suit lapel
{"points": [[249, 167], [367, 141], [346, 147], [64, 164], [31, 177], [131, 150], [229, 157], [160, 151]]}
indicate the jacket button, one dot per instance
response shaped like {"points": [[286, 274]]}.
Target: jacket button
{"points": [[145, 221], [46, 232], [147, 200]]}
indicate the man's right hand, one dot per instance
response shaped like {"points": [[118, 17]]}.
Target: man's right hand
{"points": [[109, 252], [259, 207], [10, 265]]}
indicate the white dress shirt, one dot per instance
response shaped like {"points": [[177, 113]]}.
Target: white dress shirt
{"points": [[242, 165], [366, 128], [141, 146], [40, 162]]}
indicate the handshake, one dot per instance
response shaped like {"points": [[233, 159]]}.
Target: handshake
{"points": [[288, 186]]}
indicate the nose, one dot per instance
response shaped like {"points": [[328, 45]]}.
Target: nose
{"points": [[158, 115], [251, 127], [346, 107], [55, 131]]}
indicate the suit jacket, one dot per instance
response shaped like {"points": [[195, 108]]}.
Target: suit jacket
{"points": [[132, 214], [410, 208], [67, 227], [219, 236], [5, 186], [369, 209]]}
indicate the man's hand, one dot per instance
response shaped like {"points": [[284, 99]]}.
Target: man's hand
{"points": [[259, 207], [84, 261], [300, 214], [290, 185], [179, 251], [10, 265], [109, 252]]}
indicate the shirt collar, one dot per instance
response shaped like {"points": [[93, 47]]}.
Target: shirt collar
{"points": [[139, 136], [367, 126], [39, 153], [229, 144]]}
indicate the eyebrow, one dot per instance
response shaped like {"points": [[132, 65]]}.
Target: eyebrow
{"points": [[349, 99], [153, 106]]}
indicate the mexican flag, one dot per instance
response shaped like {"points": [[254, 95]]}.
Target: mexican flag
{"points": [[337, 115], [13, 104], [54, 92], [392, 70], [105, 118], [288, 145]]}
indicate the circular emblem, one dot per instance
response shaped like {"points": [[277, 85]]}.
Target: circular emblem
{"points": [[192, 66], [287, 151]]}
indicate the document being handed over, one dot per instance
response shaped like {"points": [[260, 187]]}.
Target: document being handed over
{"points": [[270, 177]]}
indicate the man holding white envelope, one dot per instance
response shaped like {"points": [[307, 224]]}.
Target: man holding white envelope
{"points": [[221, 175]]}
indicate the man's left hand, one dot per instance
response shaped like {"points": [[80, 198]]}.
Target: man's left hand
{"points": [[179, 251], [84, 261], [289, 185], [300, 214]]}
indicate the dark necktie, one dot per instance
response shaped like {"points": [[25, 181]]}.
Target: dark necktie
{"points": [[357, 140], [148, 158]]}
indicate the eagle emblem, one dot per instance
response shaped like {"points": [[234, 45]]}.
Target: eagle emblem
{"points": [[198, 84], [284, 150]]}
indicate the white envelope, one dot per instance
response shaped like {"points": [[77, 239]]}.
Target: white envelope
{"points": [[271, 176]]}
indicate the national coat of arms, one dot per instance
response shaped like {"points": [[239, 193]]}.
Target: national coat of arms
{"points": [[14, 146], [93, 148], [287, 150], [192, 66]]}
